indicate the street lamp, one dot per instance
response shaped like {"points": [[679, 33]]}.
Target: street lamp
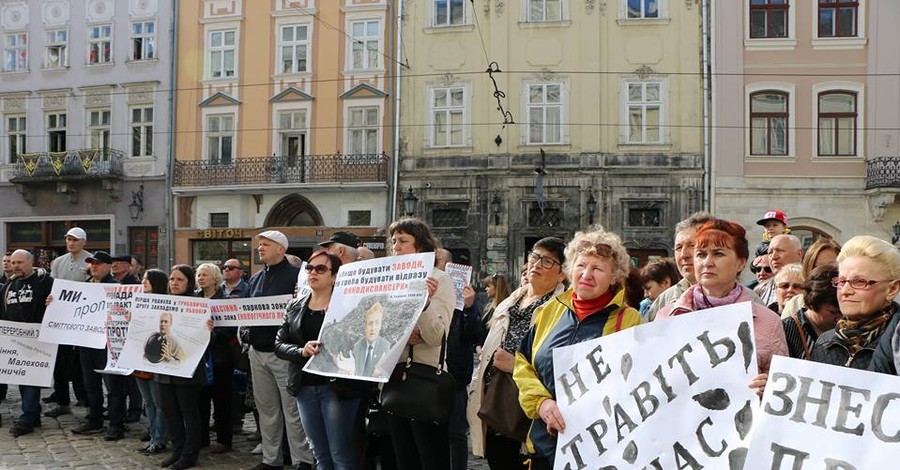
{"points": [[896, 233], [591, 206], [409, 202], [136, 207], [496, 206]]}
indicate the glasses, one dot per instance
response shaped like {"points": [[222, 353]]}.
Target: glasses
{"points": [[789, 285], [766, 269], [545, 261], [229, 268], [600, 249], [318, 268], [857, 283]]}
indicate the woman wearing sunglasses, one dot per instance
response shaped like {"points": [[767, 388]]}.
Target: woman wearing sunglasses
{"points": [[328, 415], [509, 324]]}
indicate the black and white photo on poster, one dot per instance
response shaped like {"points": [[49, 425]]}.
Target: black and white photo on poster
{"points": [[374, 307]]}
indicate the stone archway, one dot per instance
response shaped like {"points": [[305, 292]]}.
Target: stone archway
{"points": [[294, 210]]}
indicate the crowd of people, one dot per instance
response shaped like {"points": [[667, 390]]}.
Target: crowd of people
{"points": [[828, 303]]}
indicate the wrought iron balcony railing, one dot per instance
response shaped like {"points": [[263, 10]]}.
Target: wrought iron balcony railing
{"points": [[337, 168], [71, 165], [883, 172]]}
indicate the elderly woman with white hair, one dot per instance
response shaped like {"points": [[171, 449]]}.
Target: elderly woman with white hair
{"points": [[597, 265]]}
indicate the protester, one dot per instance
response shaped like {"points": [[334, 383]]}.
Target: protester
{"points": [[685, 231], [24, 299], [788, 284], [497, 288], [277, 408], [155, 282], [137, 267], [121, 270], [597, 265], [179, 395], [657, 276], [365, 253], [867, 283], [822, 251], [419, 444], [720, 255], [328, 407], [71, 266], [343, 245], [774, 223], [509, 325], [224, 349], [803, 327], [234, 284], [783, 250]]}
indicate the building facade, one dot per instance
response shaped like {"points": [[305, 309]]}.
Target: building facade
{"points": [[83, 128], [283, 118], [590, 114], [805, 106]]}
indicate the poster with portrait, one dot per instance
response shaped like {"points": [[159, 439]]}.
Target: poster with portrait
{"points": [[167, 334], [302, 282], [250, 311], [373, 309], [462, 276], [78, 313], [24, 359], [117, 320]]}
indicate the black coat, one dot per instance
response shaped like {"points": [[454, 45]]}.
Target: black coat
{"points": [[829, 350], [278, 279], [883, 357], [25, 300], [466, 331]]}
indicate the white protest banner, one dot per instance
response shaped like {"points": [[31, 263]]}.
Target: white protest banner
{"points": [[373, 309], [302, 282], [818, 416], [77, 315], [24, 360], [462, 276], [167, 334], [254, 311], [669, 394], [117, 320]]}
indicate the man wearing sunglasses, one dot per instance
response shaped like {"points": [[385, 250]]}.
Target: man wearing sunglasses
{"points": [[235, 286]]}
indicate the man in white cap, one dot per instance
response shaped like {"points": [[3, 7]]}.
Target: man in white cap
{"points": [[71, 267], [277, 408]]}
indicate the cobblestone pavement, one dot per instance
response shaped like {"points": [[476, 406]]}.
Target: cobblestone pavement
{"points": [[54, 446]]}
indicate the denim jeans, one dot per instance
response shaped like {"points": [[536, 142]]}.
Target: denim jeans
{"points": [[329, 423], [31, 405], [150, 394]]}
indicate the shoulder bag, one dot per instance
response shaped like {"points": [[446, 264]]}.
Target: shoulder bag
{"points": [[500, 407], [419, 392]]}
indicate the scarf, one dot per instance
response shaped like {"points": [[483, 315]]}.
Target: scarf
{"points": [[703, 301], [584, 308], [858, 335]]}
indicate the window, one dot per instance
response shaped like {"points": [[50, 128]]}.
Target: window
{"points": [[145, 245], [142, 132], [769, 18], [447, 217], [644, 108], [16, 130], [98, 130], [294, 47], [837, 18], [448, 106], [218, 219], [15, 52], [546, 217], [100, 44], [57, 49], [449, 13], [545, 109], [143, 40], [366, 43], [544, 10], [292, 130], [837, 124], [220, 139], [56, 132], [638, 9], [359, 218], [644, 217], [769, 123], [221, 54], [363, 131]]}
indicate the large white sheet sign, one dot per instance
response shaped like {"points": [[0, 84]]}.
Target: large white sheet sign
{"points": [[822, 417], [23, 359], [117, 322], [666, 395], [373, 309], [78, 313], [167, 334]]}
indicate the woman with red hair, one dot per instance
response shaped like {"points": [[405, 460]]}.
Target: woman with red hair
{"points": [[720, 255]]}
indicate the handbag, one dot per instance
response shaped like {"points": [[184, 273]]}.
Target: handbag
{"points": [[242, 363], [419, 392], [500, 408]]}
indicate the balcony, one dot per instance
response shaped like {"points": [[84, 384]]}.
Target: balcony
{"points": [[301, 169], [67, 167], [883, 172]]}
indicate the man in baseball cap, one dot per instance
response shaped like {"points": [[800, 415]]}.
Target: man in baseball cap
{"points": [[343, 245]]}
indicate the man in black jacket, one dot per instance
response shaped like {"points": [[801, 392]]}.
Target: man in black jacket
{"points": [[24, 300], [277, 408]]}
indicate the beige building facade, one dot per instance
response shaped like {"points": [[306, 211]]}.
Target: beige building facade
{"points": [[283, 111], [590, 114]]}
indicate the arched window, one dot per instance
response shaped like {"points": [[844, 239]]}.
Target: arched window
{"points": [[293, 211], [769, 123], [837, 123], [808, 235]]}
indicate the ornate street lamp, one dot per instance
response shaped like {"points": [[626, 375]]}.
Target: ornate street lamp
{"points": [[409, 202], [591, 206], [496, 206]]}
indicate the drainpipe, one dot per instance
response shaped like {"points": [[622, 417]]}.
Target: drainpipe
{"points": [[395, 159], [169, 209], [708, 164]]}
